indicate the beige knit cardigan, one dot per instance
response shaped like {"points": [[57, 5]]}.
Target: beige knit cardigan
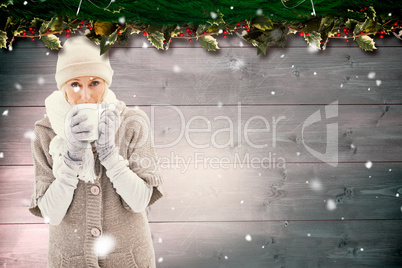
{"points": [[92, 212]]}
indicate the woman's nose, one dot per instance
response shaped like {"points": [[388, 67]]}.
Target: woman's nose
{"points": [[85, 94]]}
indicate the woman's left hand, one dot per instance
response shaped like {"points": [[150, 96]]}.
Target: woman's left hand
{"points": [[108, 125]]}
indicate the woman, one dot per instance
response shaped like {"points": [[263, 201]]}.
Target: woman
{"points": [[93, 194]]}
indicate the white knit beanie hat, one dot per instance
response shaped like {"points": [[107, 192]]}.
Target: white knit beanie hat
{"points": [[81, 57]]}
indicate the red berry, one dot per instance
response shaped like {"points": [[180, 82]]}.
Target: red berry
{"points": [[32, 31], [301, 33], [246, 26], [225, 32], [90, 28], [144, 34], [381, 36], [321, 42], [118, 32], [347, 40], [188, 29], [119, 26], [361, 10], [338, 34], [205, 32], [365, 8], [308, 34], [24, 33], [247, 30], [33, 39], [344, 29], [150, 34], [68, 30], [30, 28], [67, 35], [327, 40], [7, 40], [13, 39], [381, 32], [170, 40], [82, 22], [238, 24], [361, 32], [181, 34], [190, 40], [395, 24], [164, 41], [88, 25], [47, 31], [346, 33], [224, 36]]}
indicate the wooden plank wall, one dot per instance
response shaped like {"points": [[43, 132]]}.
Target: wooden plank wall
{"points": [[230, 204]]}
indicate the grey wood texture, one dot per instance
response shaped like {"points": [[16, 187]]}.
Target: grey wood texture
{"points": [[233, 204]]}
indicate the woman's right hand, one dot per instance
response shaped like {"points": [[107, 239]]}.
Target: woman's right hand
{"points": [[77, 130]]}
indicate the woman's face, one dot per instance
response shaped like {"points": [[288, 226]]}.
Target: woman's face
{"points": [[85, 89]]}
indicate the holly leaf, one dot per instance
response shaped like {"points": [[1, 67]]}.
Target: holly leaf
{"points": [[314, 39], [107, 42], [51, 41], [262, 23], [3, 39], [366, 43], [209, 43], [370, 13], [156, 39], [51, 25], [351, 24], [103, 28], [168, 32], [312, 25], [36, 23], [217, 20], [6, 3]]}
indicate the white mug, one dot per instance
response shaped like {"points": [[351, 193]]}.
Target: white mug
{"points": [[93, 112]]}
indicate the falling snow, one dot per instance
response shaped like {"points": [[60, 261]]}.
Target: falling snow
{"points": [[122, 20], [160, 240], [231, 7], [316, 185], [242, 201], [315, 73], [368, 89], [76, 89], [282, 56], [5, 113], [331, 205], [1, 155], [160, 260], [25, 3], [47, 53], [29, 135], [144, 45], [104, 245], [248, 237], [368, 164], [226, 257], [213, 15], [341, 85], [378, 82], [176, 69], [390, 169], [397, 195], [259, 12], [371, 75], [41, 80], [308, 234], [18, 86], [272, 92]]}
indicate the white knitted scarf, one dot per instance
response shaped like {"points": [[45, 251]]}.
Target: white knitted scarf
{"points": [[57, 108]]}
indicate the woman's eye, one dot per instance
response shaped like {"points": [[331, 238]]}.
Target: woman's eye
{"points": [[95, 83], [75, 84]]}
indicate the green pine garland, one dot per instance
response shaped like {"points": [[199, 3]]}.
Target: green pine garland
{"points": [[261, 23]]}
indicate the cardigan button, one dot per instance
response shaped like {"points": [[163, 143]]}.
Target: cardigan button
{"points": [[95, 190], [95, 232]]}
